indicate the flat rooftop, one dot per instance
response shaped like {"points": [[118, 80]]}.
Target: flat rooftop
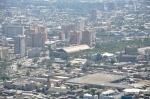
{"points": [[99, 79]]}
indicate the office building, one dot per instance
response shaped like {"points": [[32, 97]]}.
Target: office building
{"points": [[80, 24], [42, 29], [66, 28], [93, 15], [13, 30], [75, 37], [128, 58], [87, 37], [20, 45], [131, 50], [38, 40], [101, 6], [110, 6], [36, 36], [61, 35]]}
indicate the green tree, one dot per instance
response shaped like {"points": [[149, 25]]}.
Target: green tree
{"points": [[28, 73], [98, 57], [49, 64], [93, 91], [112, 61], [4, 76], [68, 64], [19, 65], [86, 87], [64, 56], [35, 59]]}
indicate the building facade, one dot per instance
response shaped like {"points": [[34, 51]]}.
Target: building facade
{"points": [[75, 37], [20, 45], [13, 30], [93, 15], [87, 37]]}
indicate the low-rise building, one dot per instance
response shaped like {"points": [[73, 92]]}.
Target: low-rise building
{"points": [[4, 54], [78, 62], [110, 94], [34, 52]]}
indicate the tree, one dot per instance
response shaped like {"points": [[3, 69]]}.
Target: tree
{"points": [[86, 87], [68, 64], [4, 77], [112, 61], [64, 56], [98, 93], [98, 57], [49, 64], [28, 73], [72, 87], [19, 65], [93, 91], [35, 59]]}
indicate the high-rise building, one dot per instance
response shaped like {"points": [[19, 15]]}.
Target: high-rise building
{"points": [[42, 29], [67, 28], [110, 6], [101, 6], [87, 37], [38, 40], [75, 37], [13, 30], [36, 36], [20, 45], [93, 15], [61, 35], [80, 25]]}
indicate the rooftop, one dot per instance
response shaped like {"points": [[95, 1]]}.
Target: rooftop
{"points": [[78, 60], [99, 79], [74, 49]]}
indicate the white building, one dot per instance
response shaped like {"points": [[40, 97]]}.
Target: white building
{"points": [[78, 62], [110, 94], [87, 96], [95, 97]]}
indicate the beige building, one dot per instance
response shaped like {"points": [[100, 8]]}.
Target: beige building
{"points": [[36, 36], [4, 54], [38, 40], [67, 28]]}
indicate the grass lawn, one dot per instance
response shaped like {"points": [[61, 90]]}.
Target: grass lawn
{"points": [[1, 80]]}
